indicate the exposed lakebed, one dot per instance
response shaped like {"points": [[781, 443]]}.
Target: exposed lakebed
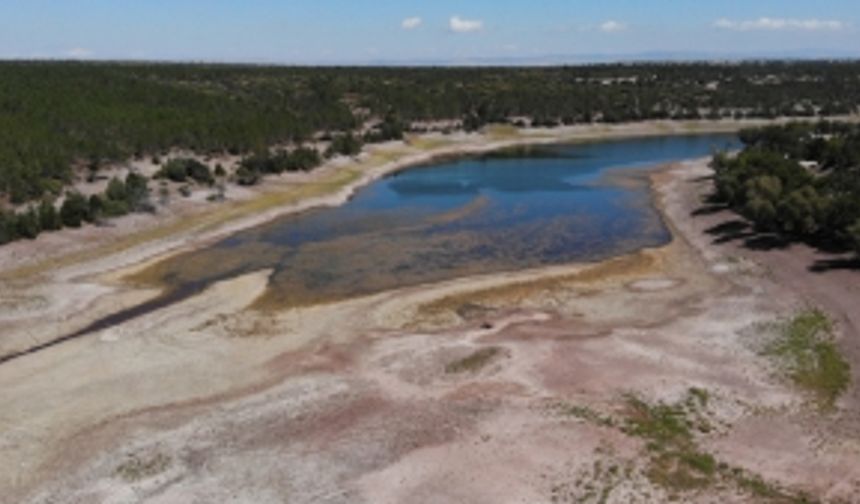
{"points": [[505, 211]]}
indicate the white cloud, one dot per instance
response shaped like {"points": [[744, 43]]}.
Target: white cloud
{"points": [[411, 23], [460, 25], [78, 53], [774, 24], [612, 27]]}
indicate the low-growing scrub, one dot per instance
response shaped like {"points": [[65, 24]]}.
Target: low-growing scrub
{"points": [[137, 468], [474, 361]]}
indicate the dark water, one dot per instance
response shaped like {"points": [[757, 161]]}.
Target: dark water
{"points": [[508, 211]]}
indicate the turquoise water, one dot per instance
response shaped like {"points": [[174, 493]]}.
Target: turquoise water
{"points": [[507, 211]]}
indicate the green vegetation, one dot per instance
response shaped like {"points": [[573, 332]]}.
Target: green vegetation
{"points": [[136, 468], [678, 464], [811, 359], [120, 198], [587, 414], [253, 167], [58, 117], [344, 145], [62, 121], [182, 169], [801, 181], [854, 232], [474, 361]]}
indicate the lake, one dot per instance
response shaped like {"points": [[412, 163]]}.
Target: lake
{"points": [[505, 211]]}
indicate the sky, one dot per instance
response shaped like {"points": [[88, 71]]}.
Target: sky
{"points": [[424, 31]]}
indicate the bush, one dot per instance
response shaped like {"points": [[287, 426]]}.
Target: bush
{"points": [[96, 208], [854, 233], [246, 177], [180, 169], [116, 190], [75, 210], [136, 190], [28, 224], [344, 145], [49, 218], [200, 173], [8, 227]]}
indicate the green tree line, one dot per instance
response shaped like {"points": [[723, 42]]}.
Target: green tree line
{"points": [[60, 117], [799, 180]]}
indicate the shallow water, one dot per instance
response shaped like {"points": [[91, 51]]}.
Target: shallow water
{"points": [[508, 211]]}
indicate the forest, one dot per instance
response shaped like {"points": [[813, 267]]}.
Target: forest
{"points": [[801, 181], [61, 119]]}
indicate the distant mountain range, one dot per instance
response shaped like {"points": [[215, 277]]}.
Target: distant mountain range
{"points": [[669, 56]]}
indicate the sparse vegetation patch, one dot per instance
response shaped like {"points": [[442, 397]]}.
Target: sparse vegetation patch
{"points": [[473, 362], [806, 351], [137, 468]]}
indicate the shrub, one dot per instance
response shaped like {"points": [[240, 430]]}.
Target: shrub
{"points": [[246, 176], [854, 233], [136, 190], [344, 145], [180, 169], [75, 210], [49, 218], [116, 190], [28, 224], [200, 173], [96, 208], [8, 227]]}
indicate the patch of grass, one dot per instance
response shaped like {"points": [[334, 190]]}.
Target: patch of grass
{"points": [[806, 349], [502, 131], [587, 414], [137, 468], [762, 491], [661, 424], [474, 361], [676, 462]]}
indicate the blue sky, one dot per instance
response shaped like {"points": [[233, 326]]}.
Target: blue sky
{"points": [[361, 31]]}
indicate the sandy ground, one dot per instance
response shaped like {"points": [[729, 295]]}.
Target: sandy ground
{"points": [[489, 389]]}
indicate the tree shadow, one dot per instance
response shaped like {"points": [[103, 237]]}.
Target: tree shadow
{"points": [[730, 231], [840, 263], [766, 242], [740, 230], [709, 209], [702, 178]]}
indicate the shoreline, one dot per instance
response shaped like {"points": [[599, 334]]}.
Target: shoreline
{"points": [[358, 176], [206, 370]]}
